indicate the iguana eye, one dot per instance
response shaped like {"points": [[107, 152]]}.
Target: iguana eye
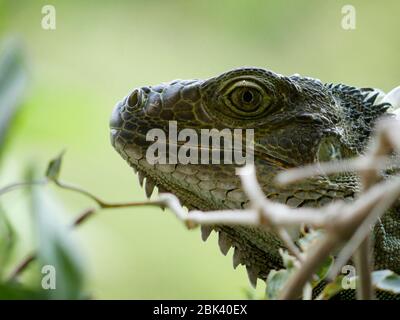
{"points": [[247, 98]]}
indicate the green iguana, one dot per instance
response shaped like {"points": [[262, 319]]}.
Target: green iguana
{"points": [[296, 121]]}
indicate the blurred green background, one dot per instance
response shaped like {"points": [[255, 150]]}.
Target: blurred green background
{"points": [[101, 50]]}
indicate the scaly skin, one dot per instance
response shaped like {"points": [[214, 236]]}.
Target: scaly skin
{"points": [[296, 121]]}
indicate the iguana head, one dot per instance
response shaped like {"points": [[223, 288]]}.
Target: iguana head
{"points": [[295, 120]]}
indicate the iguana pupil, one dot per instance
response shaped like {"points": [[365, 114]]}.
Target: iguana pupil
{"points": [[247, 96]]}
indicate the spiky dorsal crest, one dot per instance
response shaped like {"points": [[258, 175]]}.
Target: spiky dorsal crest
{"points": [[361, 108]]}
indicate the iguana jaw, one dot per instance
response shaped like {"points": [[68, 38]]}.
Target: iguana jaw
{"points": [[258, 258]]}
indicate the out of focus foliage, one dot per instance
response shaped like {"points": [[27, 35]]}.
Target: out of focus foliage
{"points": [[54, 247]]}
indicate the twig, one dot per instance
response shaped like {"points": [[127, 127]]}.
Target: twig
{"points": [[83, 217], [19, 185], [294, 286], [363, 230], [22, 266], [165, 201], [363, 266]]}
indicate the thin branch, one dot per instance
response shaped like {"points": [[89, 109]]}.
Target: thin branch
{"points": [[363, 266], [86, 214], [165, 201], [317, 254], [360, 164], [25, 263], [22, 266], [363, 230], [19, 185]]}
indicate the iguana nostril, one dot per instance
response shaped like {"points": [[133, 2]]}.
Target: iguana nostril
{"points": [[135, 99]]}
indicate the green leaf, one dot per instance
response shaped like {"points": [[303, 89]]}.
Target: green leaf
{"points": [[275, 282], [309, 239], [7, 240], [54, 167], [323, 270], [289, 261], [305, 243], [55, 247], [251, 293], [277, 278], [386, 280], [13, 80], [15, 291], [331, 289]]}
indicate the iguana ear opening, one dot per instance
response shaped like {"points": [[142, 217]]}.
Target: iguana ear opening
{"points": [[329, 149]]}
